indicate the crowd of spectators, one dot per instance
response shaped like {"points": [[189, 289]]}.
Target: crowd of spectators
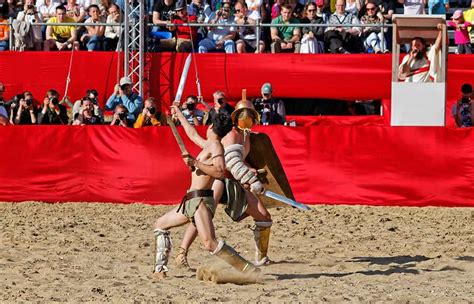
{"points": [[127, 108], [234, 20]]}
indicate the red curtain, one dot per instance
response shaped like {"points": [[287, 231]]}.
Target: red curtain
{"points": [[374, 165]]}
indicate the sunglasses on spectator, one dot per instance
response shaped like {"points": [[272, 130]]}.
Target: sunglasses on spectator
{"points": [[311, 10], [237, 11], [370, 8]]}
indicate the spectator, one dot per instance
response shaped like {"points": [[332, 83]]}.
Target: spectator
{"points": [[462, 111], [221, 37], [47, 8], [94, 37], [124, 95], [120, 116], [61, 37], [13, 7], [185, 36], [149, 117], [340, 38], [276, 8], [113, 33], [354, 7], [86, 115], [285, 38], [313, 37], [193, 115], [271, 110], [103, 5], [461, 34], [469, 17], [374, 39], [75, 11], [413, 7], [220, 105], [163, 10], [22, 111], [4, 33], [419, 65], [438, 7], [254, 7], [203, 13], [52, 113], [93, 96], [3, 110], [31, 15], [247, 38]]}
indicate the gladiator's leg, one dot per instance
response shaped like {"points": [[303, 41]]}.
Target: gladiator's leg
{"points": [[233, 258], [163, 248], [261, 235]]}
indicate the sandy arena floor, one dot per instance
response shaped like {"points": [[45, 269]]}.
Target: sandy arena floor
{"points": [[77, 252]]}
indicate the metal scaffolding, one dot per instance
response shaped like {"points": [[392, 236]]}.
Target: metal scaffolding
{"points": [[134, 43]]}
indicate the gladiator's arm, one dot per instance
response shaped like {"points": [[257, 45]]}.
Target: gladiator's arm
{"points": [[217, 168], [239, 170], [189, 129]]}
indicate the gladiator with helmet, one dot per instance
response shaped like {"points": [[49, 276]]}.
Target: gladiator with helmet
{"points": [[240, 189]]}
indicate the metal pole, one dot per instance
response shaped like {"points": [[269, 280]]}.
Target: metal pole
{"points": [[257, 34], [126, 37], [141, 50], [10, 33]]}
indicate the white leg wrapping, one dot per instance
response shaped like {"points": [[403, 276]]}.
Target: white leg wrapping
{"points": [[163, 248], [262, 238]]}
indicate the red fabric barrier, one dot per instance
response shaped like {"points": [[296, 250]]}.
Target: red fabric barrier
{"points": [[364, 120], [325, 164]]}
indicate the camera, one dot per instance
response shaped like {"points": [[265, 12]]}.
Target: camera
{"points": [[54, 101], [465, 100], [124, 87], [29, 102], [152, 110], [122, 115], [191, 106], [171, 14], [220, 101], [30, 6]]}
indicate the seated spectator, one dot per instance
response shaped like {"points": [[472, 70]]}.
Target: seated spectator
{"points": [[47, 8], [438, 7], [185, 36], [22, 111], [271, 110], [285, 38], [354, 6], [52, 113], [31, 15], [203, 13], [339, 38], [150, 116], [12, 8], [276, 8], [93, 96], [374, 39], [113, 32], [163, 10], [220, 105], [103, 5], [86, 115], [120, 116], [247, 39], [313, 37], [254, 7], [221, 37], [124, 95], [4, 33], [193, 115], [75, 10], [61, 37], [462, 111], [468, 16], [461, 34], [94, 37]]}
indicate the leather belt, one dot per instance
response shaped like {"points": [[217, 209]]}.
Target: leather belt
{"points": [[194, 194]]}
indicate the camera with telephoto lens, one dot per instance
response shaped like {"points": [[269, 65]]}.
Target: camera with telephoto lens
{"points": [[29, 102], [152, 110], [171, 15], [220, 101], [54, 101], [191, 106], [465, 100], [122, 115]]}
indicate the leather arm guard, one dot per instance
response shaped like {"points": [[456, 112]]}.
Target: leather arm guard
{"points": [[234, 161]]}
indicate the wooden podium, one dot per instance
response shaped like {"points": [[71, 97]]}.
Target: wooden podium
{"points": [[418, 103]]}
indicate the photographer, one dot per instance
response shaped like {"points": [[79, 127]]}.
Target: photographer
{"points": [[3, 110], [221, 37], [86, 114], [220, 105], [184, 34], [462, 110], [124, 95], [163, 11], [120, 117], [52, 113], [31, 15], [149, 116], [271, 110], [22, 111], [93, 96], [193, 116]]}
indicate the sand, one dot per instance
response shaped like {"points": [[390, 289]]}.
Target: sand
{"points": [[87, 252]]}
